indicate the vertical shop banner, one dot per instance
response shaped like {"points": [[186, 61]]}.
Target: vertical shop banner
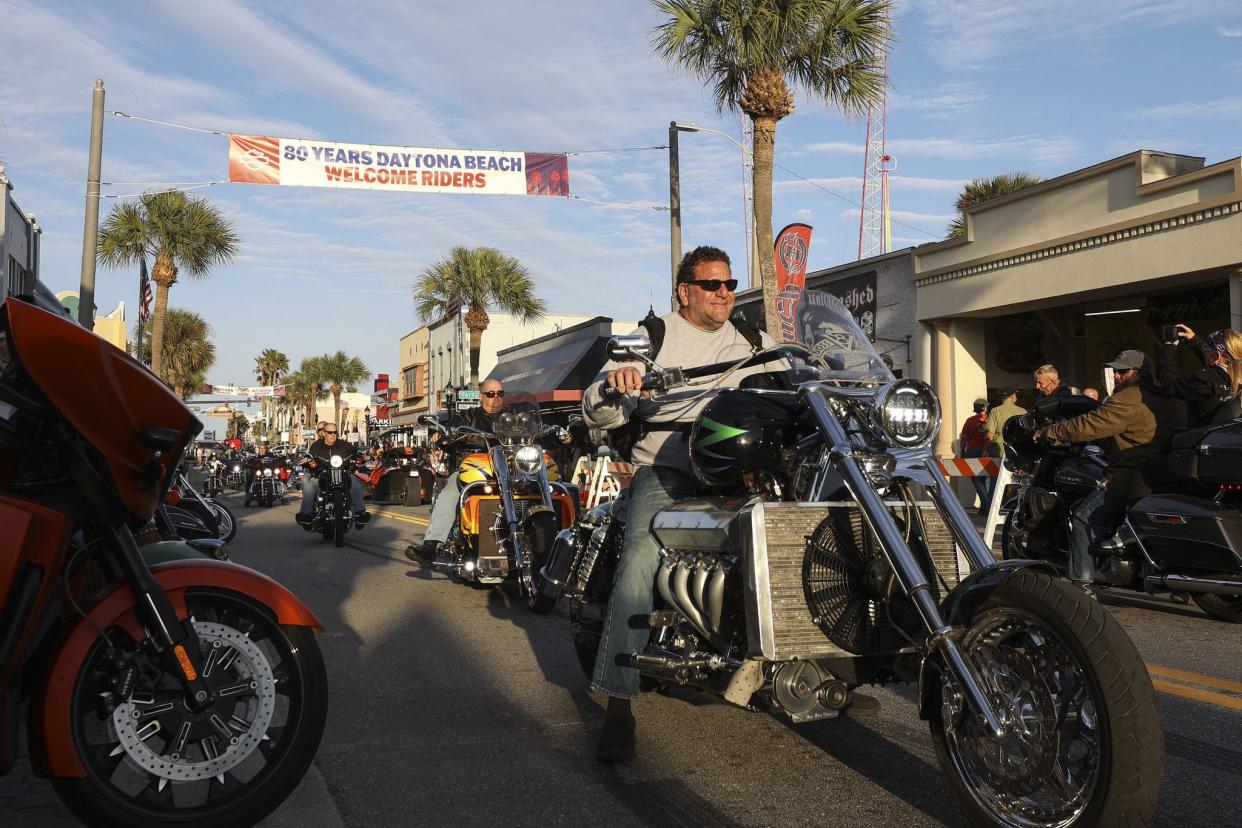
{"points": [[255, 159], [793, 250]]}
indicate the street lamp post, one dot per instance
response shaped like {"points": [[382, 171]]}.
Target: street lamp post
{"points": [[674, 197]]}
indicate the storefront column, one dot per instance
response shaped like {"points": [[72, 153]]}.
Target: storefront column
{"points": [[1235, 300], [943, 384], [923, 352]]}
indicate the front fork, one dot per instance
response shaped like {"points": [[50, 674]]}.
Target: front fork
{"points": [[906, 567], [500, 464], [178, 642]]}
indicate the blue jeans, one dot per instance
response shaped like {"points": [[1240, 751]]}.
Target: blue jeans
{"points": [[1094, 519], [443, 511], [626, 630], [983, 485], [310, 489]]}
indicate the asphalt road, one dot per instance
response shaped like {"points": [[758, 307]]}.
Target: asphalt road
{"points": [[454, 706]]}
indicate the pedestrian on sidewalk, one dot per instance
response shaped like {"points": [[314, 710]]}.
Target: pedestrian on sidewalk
{"points": [[975, 442]]}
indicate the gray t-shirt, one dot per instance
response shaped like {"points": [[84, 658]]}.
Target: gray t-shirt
{"points": [[685, 346]]}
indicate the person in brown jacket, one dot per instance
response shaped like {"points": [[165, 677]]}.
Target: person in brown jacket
{"points": [[1129, 422]]}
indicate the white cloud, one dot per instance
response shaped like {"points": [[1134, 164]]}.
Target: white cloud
{"points": [[949, 100], [896, 183], [1222, 107], [1044, 149], [1224, 31]]}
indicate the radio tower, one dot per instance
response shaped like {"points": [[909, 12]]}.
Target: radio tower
{"points": [[874, 235]]}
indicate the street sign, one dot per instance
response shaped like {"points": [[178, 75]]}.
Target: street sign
{"points": [[468, 394], [308, 434], [209, 435]]}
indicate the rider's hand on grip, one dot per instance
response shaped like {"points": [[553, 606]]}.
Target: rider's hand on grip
{"points": [[622, 381]]}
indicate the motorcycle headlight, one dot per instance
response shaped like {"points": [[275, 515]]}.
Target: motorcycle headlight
{"points": [[908, 413], [267, 472], [298, 467], [336, 462], [237, 468], [528, 459]]}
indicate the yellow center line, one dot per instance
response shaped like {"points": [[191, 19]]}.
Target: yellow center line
{"points": [[1195, 678], [406, 518], [1194, 693]]}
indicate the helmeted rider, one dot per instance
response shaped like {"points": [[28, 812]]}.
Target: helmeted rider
{"points": [[321, 453], [699, 333], [261, 456], [444, 510]]}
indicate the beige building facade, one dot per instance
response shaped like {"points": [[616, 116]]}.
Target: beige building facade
{"points": [[412, 377], [1075, 269]]}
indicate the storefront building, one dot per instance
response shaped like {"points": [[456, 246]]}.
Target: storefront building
{"points": [[1075, 269]]}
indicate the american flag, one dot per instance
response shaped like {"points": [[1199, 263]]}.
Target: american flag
{"points": [[144, 294]]}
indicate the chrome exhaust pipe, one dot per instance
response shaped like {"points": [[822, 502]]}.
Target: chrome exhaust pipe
{"points": [[702, 570], [681, 596], [662, 578], [715, 598], [1185, 583]]}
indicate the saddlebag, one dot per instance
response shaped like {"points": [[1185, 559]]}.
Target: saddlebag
{"points": [[1189, 533], [1211, 456]]}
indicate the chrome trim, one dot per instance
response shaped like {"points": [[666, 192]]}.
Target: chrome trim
{"points": [[1185, 583], [760, 630]]}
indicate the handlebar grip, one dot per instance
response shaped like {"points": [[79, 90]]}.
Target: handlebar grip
{"points": [[612, 393]]}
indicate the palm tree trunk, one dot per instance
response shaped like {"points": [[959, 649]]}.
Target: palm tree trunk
{"points": [[336, 405], [157, 329], [476, 345], [765, 142]]}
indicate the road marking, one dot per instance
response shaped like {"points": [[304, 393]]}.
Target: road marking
{"points": [[406, 518], [1186, 690]]}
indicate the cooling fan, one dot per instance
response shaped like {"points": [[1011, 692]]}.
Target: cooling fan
{"points": [[850, 590]]}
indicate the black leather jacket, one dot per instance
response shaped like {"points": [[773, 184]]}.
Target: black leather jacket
{"points": [[1203, 391]]}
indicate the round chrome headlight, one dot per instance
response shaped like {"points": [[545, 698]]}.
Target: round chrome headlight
{"points": [[336, 462], [237, 468], [908, 413], [267, 472], [528, 459]]}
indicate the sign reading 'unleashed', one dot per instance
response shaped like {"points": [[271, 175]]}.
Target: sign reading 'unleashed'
{"points": [[257, 159]]}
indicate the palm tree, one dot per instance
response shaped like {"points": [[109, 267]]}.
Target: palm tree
{"points": [[982, 189], [478, 278], [188, 352], [303, 389], [181, 233], [339, 372], [753, 51], [269, 367]]}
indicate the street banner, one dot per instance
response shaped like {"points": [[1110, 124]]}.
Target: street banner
{"points": [[245, 390], [793, 248], [256, 159]]}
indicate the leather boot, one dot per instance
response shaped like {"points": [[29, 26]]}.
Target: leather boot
{"points": [[617, 740]]}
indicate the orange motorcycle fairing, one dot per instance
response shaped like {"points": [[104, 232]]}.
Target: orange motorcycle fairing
{"points": [[470, 510], [111, 401], [30, 535], [52, 750]]}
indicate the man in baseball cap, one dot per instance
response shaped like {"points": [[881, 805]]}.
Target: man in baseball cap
{"points": [[1126, 419]]}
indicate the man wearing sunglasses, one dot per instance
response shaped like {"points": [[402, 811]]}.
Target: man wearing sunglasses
{"points": [[444, 508], [322, 451], [1130, 423], [699, 333]]}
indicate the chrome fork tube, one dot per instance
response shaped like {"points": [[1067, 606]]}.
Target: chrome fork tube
{"points": [[960, 524], [500, 465], [909, 574]]}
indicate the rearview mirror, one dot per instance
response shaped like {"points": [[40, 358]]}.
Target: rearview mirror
{"points": [[428, 420], [629, 347]]}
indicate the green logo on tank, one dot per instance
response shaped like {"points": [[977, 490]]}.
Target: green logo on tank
{"points": [[719, 433]]}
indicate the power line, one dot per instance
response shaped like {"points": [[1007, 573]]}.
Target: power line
{"points": [[656, 207], [849, 200]]}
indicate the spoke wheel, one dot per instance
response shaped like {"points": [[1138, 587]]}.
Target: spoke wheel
{"points": [[151, 760], [1083, 743]]}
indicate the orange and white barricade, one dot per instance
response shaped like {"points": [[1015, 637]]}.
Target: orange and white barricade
{"points": [[604, 477], [982, 467]]}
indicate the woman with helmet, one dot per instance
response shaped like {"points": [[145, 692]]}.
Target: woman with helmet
{"points": [[1211, 393]]}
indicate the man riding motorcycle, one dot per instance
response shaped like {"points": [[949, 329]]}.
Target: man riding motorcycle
{"points": [[1130, 423], [444, 510], [260, 457], [699, 333], [321, 451]]}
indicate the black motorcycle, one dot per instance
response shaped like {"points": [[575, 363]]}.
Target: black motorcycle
{"points": [[267, 485], [827, 551], [333, 515], [1186, 539]]}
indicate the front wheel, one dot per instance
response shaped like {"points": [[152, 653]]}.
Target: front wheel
{"points": [[226, 525], [1220, 607], [541, 531], [1083, 743], [151, 762]]}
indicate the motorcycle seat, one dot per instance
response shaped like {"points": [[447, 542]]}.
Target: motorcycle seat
{"points": [[1190, 439]]}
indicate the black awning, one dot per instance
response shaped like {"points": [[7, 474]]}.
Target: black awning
{"points": [[561, 373]]}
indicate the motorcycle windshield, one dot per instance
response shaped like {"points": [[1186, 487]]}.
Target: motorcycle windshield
{"points": [[837, 348], [518, 421]]}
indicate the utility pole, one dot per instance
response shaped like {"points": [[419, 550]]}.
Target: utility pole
{"points": [[674, 209], [90, 229]]}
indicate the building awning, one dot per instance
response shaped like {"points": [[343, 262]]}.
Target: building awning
{"points": [[557, 374]]}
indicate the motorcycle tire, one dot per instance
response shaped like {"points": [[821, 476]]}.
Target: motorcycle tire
{"points": [[1049, 651], [143, 785], [226, 524], [338, 533], [1221, 607], [541, 529]]}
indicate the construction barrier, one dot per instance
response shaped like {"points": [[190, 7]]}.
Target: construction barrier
{"points": [[600, 479], [982, 467]]}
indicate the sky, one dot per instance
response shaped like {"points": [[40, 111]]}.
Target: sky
{"points": [[976, 88]]}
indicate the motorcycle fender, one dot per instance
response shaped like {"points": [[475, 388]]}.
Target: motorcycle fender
{"points": [[958, 608], [52, 752]]}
